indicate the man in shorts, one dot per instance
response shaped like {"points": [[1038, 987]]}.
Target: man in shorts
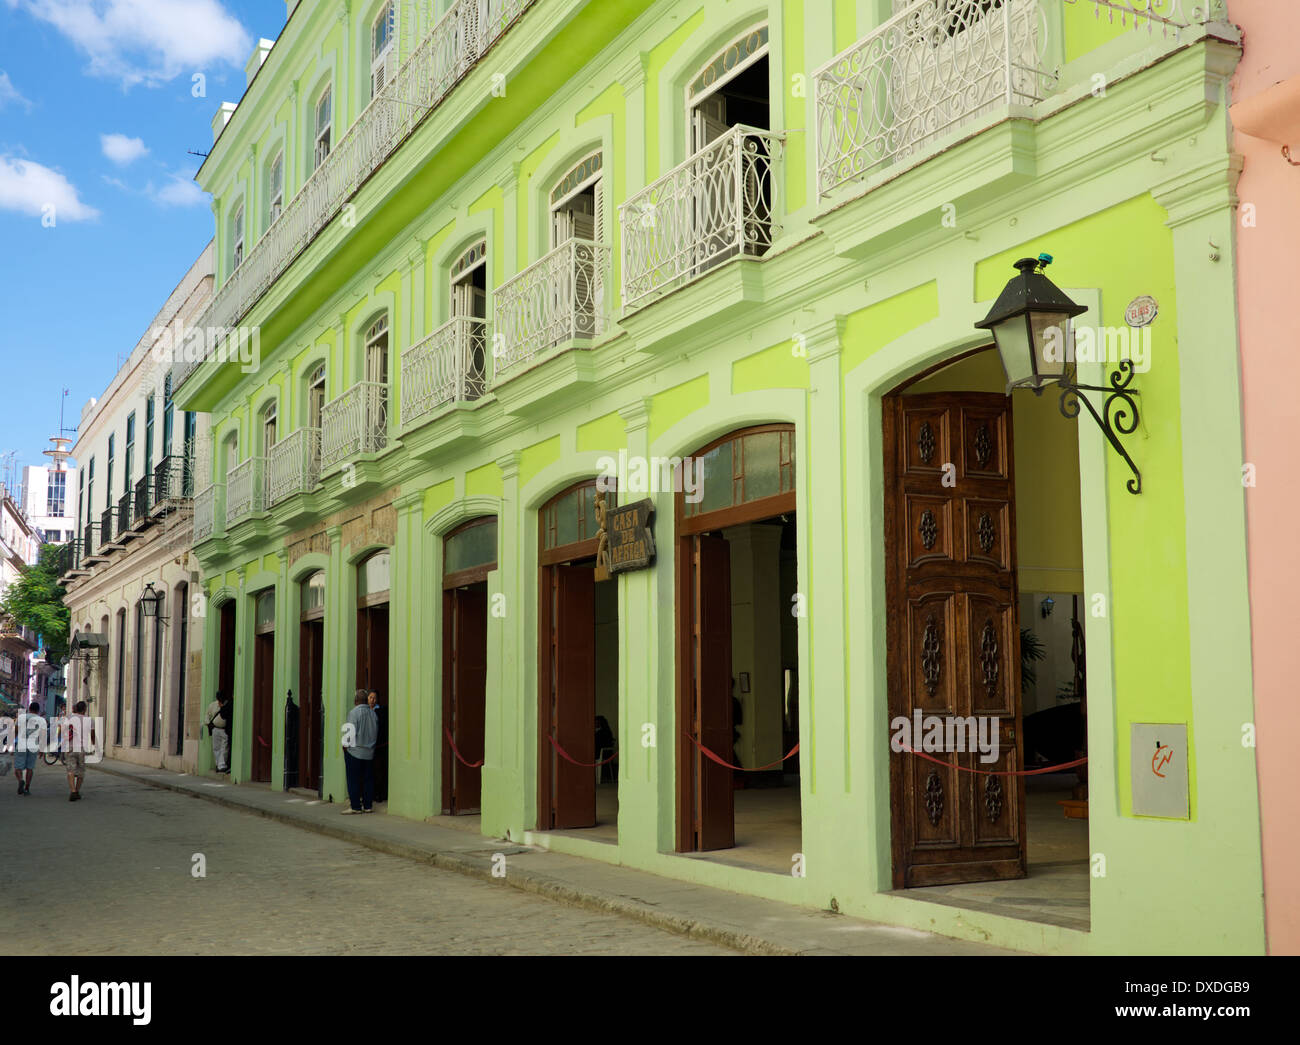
{"points": [[29, 732], [81, 739]]}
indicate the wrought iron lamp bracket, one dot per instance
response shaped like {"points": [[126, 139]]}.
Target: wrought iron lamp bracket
{"points": [[1118, 415]]}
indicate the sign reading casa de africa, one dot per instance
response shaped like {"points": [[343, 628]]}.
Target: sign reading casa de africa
{"points": [[631, 543]]}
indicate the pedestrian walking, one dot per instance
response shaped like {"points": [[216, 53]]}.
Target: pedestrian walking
{"points": [[219, 730], [81, 739], [29, 739], [362, 730]]}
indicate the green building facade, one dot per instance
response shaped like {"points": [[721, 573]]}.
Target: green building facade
{"points": [[483, 251]]}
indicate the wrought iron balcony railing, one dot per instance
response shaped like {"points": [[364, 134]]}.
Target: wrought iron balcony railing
{"points": [[354, 423], [108, 526], [558, 298], [719, 204], [447, 53], [142, 501], [125, 511], [294, 465], [90, 541], [173, 481], [208, 521], [245, 491], [448, 366]]}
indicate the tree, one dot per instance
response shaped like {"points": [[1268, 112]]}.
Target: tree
{"points": [[35, 601]]}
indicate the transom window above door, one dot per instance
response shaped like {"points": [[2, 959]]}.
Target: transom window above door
{"points": [[747, 466]]}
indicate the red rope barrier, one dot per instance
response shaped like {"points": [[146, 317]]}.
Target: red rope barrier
{"points": [[999, 772], [723, 762], [569, 758], [471, 765], [262, 741]]}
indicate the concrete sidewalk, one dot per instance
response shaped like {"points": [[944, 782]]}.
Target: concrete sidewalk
{"points": [[746, 923]]}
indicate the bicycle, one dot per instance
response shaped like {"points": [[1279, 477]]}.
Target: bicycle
{"points": [[55, 756]]}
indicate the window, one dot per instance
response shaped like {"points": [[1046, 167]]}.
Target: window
{"points": [[275, 189], [268, 429], [315, 397], [381, 47], [237, 238], [90, 492], [323, 115], [130, 452], [148, 437], [108, 494], [56, 493], [169, 416], [377, 351], [187, 463], [577, 204]]}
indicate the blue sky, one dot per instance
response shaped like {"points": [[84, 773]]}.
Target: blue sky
{"points": [[97, 112]]}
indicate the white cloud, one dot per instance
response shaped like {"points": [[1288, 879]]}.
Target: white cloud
{"points": [[146, 41], [179, 192], [121, 149], [28, 188], [10, 93]]}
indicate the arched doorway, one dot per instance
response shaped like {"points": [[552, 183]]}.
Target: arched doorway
{"points": [[263, 685], [983, 572], [738, 664], [374, 584], [311, 666], [577, 632], [469, 555]]}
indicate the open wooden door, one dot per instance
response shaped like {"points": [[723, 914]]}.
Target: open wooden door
{"points": [[954, 638], [713, 812], [464, 695], [572, 698], [312, 660]]}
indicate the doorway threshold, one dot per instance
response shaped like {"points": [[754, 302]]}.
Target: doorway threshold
{"points": [[1054, 893]]}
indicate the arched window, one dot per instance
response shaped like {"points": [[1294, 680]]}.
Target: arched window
{"points": [[568, 522], [264, 620], [756, 464], [469, 552], [577, 203], [312, 606], [324, 114], [315, 396], [374, 578], [269, 420], [237, 237], [275, 188], [376, 347]]}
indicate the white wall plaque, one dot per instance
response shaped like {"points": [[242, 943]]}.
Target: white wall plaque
{"points": [[1159, 769]]}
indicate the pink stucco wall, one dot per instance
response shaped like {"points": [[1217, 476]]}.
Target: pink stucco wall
{"points": [[1268, 275]]}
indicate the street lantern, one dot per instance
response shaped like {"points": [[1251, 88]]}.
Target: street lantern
{"points": [[151, 601], [1030, 323]]}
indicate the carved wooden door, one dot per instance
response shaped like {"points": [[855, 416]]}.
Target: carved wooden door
{"points": [[572, 697], [464, 695], [954, 639]]}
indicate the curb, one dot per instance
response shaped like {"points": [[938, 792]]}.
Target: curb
{"points": [[525, 881]]}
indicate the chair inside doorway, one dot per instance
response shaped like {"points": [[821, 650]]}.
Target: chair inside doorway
{"points": [[738, 613]]}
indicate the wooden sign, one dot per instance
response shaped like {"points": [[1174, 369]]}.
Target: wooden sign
{"points": [[625, 539]]}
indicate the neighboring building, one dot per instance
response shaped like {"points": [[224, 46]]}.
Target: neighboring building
{"points": [[485, 255], [136, 662], [1266, 117], [50, 494], [19, 547]]}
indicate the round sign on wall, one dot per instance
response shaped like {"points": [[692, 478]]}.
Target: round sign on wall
{"points": [[1141, 311]]}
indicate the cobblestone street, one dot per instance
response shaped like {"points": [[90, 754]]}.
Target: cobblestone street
{"points": [[112, 875]]}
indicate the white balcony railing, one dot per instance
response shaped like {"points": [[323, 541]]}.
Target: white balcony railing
{"points": [[446, 54], [934, 66], [558, 298], [354, 423], [294, 465], [207, 513], [245, 493], [1167, 14], [448, 366], [717, 205]]}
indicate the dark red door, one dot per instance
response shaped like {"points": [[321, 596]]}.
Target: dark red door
{"points": [[954, 637], [465, 691], [572, 716], [263, 699], [312, 660], [714, 791]]}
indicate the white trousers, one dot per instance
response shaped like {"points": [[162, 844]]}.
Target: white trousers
{"points": [[221, 749]]}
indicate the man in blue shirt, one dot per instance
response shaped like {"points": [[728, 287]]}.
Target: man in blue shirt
{"points": [[360, 735]]}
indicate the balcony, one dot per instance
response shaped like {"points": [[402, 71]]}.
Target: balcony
{"points": [[91, 555], [559, 298], [294, 466], [122, 531], [245, 491], [108, 531], [441, 60], [931, 69], [354, 423], [140, 517], [208, 513], [717, 205], [11, 629], [448, 366], [173, 482]]}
